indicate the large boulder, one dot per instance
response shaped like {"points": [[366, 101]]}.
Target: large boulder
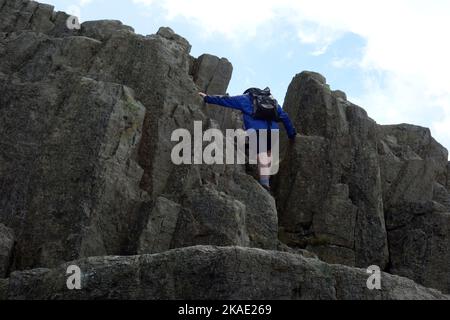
{"points": [[175, 39], [417, 204], [213, 205], [212, 76], [205, 273], [418, 242], [211, 217], [160, 229], [6, 249], [20, 15], [411, 162], [329, 188], [74, 189], [103, 29], [346, 173]]}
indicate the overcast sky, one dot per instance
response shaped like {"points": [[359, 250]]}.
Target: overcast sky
{"points": [[390, 57]]}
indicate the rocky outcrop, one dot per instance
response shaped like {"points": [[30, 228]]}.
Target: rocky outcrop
{"points": [[207, 273], [418, 240], [31, 15], [102, 30], [4, 283], [329, 191], [86, 118], [74, 189], [417, 204], [346, 174], [91, 116], [208, 216], [212, 76], [411, 163], [448, 177], [6, 249]]}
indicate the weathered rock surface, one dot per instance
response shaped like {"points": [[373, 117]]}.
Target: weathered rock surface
{"points": [[207, 216], [4, 283], [212, 76], [411, 163], [211, 273], [329, 192], [86, 118], [222, 206], [69, 179], [103, 29], [448, 177], [419, 244], [31, 15], [6, 249], [346, 173], [417, 204]]}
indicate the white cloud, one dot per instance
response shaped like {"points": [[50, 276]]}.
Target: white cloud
{"points": [[344, 63], [407, 43], [76, 9], [230, 18]]}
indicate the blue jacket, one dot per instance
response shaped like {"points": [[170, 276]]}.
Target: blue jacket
{"points": [[244, 103]]}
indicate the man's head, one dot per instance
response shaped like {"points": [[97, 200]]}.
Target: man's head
{"points": [[250, 90]]}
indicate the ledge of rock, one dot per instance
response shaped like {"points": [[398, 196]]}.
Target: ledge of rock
{"points": [[208, 273]]}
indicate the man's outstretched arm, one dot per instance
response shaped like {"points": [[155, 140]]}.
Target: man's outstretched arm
{"points": [[290, 129], [236, 102]]}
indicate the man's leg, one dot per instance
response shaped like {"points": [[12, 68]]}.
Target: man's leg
{"points": [[264, 167]]}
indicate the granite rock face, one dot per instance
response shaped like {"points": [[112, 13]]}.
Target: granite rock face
{"points": [[31, 15], [86, 170], [329, 192], [206, 273], [6, 249], [417, 204], [86, 121], [448, 176], [411, 162], [346, 175], [418, 240], [4, 283], [212, 76]]}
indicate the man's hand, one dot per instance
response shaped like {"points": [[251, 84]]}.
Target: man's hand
{"points": [[203, 95]]}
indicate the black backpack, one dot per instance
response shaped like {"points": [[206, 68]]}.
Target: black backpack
{"points": [[265, 107]]}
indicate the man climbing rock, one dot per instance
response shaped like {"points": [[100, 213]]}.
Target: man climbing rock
{"points": [[261, 112]]}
